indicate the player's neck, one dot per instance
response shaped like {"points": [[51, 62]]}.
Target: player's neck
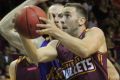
{"points": [[81, 30]]}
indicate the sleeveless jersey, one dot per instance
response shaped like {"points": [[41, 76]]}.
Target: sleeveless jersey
{"points": [[77, 68], [26, 70]]}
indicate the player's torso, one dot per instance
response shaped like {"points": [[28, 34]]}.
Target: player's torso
{"points": [[76, 68]]}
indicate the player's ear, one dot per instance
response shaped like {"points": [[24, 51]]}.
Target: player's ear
{"points": [[81, 20]]}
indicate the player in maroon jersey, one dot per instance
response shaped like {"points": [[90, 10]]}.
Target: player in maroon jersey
{"points": [[6, 31], [81, 51]]}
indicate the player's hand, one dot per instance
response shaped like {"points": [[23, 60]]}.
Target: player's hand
{"points": [[49, 28]]}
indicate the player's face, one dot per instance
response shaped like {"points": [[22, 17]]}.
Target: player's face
{"points": [[56, 11], [70, 20]]}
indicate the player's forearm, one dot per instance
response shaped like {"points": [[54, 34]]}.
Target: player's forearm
{"points": [[43, 54], [30, 49], [73, 44], [13, 38]]}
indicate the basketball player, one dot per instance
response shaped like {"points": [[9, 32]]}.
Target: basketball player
{"points": [[81, 51], [13, 38], [23, 69], [6, 30], [44, 69], [15, 41]]}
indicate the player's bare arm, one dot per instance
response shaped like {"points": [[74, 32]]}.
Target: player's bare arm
{"points": [[112, 72], [43, 54], [7, 27], [12, 69], [87, 46]]}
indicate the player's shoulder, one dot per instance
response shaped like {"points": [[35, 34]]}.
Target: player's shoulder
{"points": [[96, 30]]}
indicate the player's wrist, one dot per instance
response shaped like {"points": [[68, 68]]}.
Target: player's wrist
{"points": [[58, 34]]}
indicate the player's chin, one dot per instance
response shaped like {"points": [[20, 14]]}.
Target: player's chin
{"points": [[65, 30]]}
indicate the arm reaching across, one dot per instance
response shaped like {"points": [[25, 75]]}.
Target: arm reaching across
{"points": [[43, 54], [7, 25]]}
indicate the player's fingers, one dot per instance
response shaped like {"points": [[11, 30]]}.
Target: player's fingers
{"points": [[51, 17], [44, 19], [42, 32], [43, 25]]}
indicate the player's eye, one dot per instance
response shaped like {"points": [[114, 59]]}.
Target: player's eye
{"points": [[67, 15], [53, 15], [60, 15]]}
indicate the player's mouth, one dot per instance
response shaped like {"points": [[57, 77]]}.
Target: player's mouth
{"points": [[64, 27]]}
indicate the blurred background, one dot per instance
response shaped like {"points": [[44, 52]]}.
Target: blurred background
{"points": [[104, 14]]}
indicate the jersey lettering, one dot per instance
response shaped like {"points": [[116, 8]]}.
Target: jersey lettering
{"points": [[81, 67]]}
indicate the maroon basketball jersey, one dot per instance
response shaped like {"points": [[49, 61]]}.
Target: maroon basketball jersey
{"points": [[77, 68], [26, 70]]}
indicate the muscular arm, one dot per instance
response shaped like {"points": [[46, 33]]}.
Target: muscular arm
{"points": [[92, 42], [43, 54], [7, 27]]}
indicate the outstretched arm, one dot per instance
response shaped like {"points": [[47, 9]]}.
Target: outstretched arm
{"points": [[85, 47], [43, 54], [7, 26]]}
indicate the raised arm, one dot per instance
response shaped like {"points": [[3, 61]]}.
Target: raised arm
{"points": [[7, 27]]}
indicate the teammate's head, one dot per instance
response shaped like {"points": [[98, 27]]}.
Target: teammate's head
{"points": [[56, 11], [75, 16]]}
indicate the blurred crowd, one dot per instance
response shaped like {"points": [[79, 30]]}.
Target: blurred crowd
{"points": [[102, 13]]}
